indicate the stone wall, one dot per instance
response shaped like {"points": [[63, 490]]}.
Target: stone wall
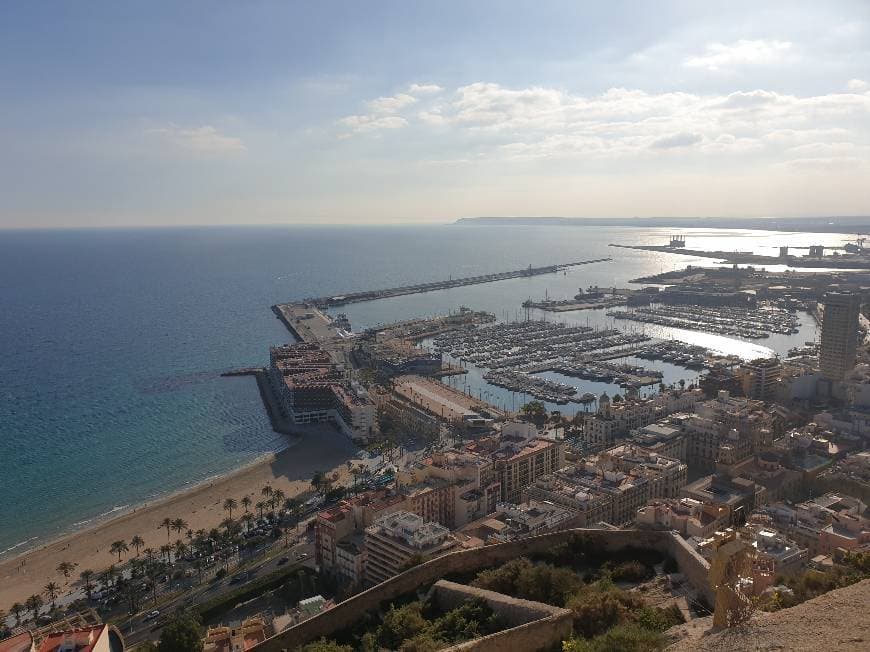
{"points": [[534, 625], [345, 614]]}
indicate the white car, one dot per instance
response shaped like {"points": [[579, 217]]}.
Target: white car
{"points": [[152, 615]]}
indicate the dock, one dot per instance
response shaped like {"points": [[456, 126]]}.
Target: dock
{"points": [[372, 295], [749, 258]]}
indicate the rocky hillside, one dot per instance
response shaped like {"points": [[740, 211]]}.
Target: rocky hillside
{"points": [[839, 620]]}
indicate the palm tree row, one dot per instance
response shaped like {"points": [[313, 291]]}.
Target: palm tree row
{"points": [[201, 542]]}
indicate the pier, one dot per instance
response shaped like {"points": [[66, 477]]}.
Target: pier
{"points": [[372, 295]]}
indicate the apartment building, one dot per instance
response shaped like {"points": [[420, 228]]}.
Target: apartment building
{"points": [[395, 540], [839, 334], [617, 419], [519, 464], [689, 517]]}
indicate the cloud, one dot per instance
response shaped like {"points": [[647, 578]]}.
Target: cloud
{"points": [[391, 104], [858, 86], [487, 121], [367, 123], [424, 89], [204, 140], [740, 53], [683, 139]]}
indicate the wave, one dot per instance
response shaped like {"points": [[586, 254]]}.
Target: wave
{"points": [[116, 508], [17, 545]]}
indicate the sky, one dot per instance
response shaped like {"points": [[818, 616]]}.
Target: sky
{"points": [[175, 113]]}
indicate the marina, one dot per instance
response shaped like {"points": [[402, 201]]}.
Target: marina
{"points": [[740, 322]]}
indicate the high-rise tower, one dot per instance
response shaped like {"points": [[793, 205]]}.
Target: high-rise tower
{"points": [[839, 334]]}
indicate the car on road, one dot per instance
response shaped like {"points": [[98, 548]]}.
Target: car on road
{"points": [[151, 615], [283, 561]]}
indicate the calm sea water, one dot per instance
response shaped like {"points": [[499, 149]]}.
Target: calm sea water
{"points": [[112, 341]]}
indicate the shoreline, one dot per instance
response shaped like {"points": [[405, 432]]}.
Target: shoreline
{"points": [[25, 572], [116, 514]]}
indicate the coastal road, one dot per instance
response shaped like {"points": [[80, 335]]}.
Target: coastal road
{"points": [[138, 630]]}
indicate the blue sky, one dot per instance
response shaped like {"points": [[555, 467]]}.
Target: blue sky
{"points": [[157, 113]]}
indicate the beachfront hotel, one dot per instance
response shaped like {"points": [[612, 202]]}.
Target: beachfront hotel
{"points": [[310, 388]]}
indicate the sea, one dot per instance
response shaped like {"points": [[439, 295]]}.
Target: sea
{"points": [[113, 341]]}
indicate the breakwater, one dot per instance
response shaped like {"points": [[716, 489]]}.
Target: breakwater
{"points": [[372, 295]]}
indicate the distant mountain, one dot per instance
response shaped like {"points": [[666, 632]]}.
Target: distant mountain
{"points": [[846, 224]]}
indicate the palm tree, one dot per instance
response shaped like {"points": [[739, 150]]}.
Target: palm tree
{"points": [[229, 505], [246, 502], [277, 498], [149, 553], [17, 608], [260, 507], [247, 518], [292, 505], [179, 549], [164, 551], [167, 523], [86, 576], [267, 491], [118, 547], [189, 535], [65, 568], [109, 575], [178, 525], [137, 542], [34, 603], [50, 591]]}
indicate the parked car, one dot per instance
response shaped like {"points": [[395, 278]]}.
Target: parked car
{"points": [[152, 615]]}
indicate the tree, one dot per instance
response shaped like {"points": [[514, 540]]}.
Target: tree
{"points": [[267, 491], [87, 576], [534, 411], [246, 502], [109, 575], [178, 525], [165, 549], [260, 507], [229, 505], [167, 523], [183, 634], [179, 549], [65, 568], [325, 646], [119, 547], [318, 481], [247, 518], [292, 505], [277, 498], [137, 542], [34, 603], [17, 609]]}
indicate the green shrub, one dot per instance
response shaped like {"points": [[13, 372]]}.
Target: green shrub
{"points": [[658, 619], [600, 607], [622, 638], [631, 571], [524, 579], [325, 646]]}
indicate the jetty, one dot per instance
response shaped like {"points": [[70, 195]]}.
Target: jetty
{"points": [[372, 295]]}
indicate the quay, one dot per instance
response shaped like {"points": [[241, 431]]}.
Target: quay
{"points": [[372, 295], [749, 258], [307, 324]]}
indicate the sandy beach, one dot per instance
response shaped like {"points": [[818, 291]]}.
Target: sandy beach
{"points": [[320, 449]]}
